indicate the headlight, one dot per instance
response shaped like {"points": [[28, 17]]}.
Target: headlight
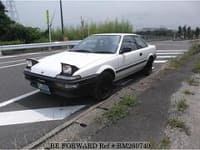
{"points": [[68, 69], [31, 62]]}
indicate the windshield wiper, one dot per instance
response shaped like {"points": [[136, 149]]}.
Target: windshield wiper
{"points": [[80, 50], [103, 52]]}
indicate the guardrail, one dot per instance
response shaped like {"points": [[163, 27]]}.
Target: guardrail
{"points": [[24, 48], [38, 45]]}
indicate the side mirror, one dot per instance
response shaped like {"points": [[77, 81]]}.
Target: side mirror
{"points": [[125, 49]]}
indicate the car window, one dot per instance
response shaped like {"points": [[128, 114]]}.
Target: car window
{"points": [[129, 42], [140, 42], [99, 44]]}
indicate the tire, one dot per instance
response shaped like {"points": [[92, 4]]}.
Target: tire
{"points": [[103, 86], [147, 70]]}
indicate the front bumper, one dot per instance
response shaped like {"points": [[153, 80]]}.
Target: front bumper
{"points": [[63, 87]]}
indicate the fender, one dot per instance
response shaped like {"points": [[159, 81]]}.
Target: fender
{"points": [[106, 67], [151, 55], [152, 52]]}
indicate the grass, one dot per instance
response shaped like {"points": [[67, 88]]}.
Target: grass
{"points": [[193, 82], [196, 68], [82, 31], [121, 109], [177, 62], [116, 112], [188, 92], [11, 42], [182, 105], [129, 101], [165, 143], [176, 123]]}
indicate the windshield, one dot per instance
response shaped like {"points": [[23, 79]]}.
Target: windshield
{"points": [[98, 44]]}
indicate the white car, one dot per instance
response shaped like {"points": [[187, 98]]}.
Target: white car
{"points": [[91, 66]]}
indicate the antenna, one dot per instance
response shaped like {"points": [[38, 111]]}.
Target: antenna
{"points": [[12, 10]]}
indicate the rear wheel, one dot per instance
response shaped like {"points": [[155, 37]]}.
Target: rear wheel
{"points": [[147, 70], [103, 86]]}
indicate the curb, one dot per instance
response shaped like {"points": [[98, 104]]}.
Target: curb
{"points": [[61, 127], [103, 106]]}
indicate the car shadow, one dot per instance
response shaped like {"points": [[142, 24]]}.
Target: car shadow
{"points": [[128, 81]]}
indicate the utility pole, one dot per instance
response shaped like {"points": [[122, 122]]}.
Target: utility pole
{"points": [[61, 15], [82, 27], [48, 25], [11, 9]]}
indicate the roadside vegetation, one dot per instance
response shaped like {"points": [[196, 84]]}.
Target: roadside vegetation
{"points": [[193, 82], [177, 123], [196, 68], [85, 29], [182, 105], [121, 109], [188, 92], [12, 32], [177, 62], [165, 143]]}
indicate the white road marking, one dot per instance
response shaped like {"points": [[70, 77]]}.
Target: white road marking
{"points": [[166, 56], [18, 98], [20, 64], [37, 115], [181, 50], [169, 53], [163, 56], [160, 61], [176, 44]]}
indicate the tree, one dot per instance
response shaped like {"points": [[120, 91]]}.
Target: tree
{"points": [[189, 32], [197, 32], [180, 31], [4, 21], [12, 31], [2, 7], [184, 32]]}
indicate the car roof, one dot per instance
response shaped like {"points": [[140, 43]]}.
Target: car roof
{"points": [[122, 34]]}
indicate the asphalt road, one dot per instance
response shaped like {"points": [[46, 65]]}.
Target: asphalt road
{"points": [[26, 114]]}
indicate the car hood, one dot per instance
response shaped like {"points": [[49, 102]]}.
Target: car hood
{"points": [[51, 65]]}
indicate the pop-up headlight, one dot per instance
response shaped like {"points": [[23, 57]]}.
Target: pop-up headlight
{"points": [[31, 62], [68, 69]]}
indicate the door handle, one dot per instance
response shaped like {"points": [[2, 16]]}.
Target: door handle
{"points": [[140, 54]]}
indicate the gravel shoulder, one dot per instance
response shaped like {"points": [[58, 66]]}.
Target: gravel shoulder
{"points": [[187, 137]]}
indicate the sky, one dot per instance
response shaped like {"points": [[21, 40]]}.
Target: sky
{"points": [[141, 14]]}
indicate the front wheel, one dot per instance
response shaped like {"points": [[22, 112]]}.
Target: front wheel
{"points": [[103, 86]]}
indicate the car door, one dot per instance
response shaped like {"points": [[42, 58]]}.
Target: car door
{"points": [[132, 60], [142, 46]]}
